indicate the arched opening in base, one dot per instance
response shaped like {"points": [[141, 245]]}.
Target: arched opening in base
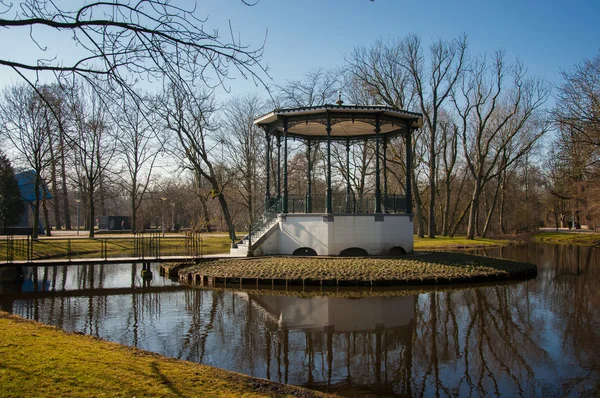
{"points": [[354, 252], [305, 251], [397, 251]]}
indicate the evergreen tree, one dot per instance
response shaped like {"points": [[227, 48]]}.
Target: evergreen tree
{"points": [[11, 203]]}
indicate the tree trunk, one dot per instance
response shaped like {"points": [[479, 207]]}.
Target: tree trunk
{"points": [[47, 225], [205, 214], [417, 208], [91, 218], [477, 221], [462, 216], [54, 188], [102, 194], [133, 213], [65, 192], [227, 217], [446, 210], [432, 181], [36, 207], [491, 211], [133, 198], [473, 210], [502, 203]]}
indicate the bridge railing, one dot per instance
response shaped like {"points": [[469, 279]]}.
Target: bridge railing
{"points": [[141, 246]]}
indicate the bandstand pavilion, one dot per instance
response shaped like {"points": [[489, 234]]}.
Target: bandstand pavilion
{"points": [[325, 223]]}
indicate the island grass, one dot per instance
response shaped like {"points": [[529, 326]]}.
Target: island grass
{"points": [[425, 267], [568, 238], [58, 248], [41, 360]]}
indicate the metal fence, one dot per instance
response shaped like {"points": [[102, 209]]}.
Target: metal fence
{"points": [[141, 246]]}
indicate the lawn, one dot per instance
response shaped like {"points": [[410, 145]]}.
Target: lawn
{"points": [[447, 242], [100, 247], [40, 360], [569, 238]]}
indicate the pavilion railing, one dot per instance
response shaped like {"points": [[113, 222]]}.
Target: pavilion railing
{"points": [[316, 203]]}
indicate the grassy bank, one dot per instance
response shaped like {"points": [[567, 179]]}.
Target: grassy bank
{"points": [[41, 360], [425, 268], [83, 247], [568, 238]]}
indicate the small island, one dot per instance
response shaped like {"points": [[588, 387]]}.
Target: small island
{"points": [[435, 268]]}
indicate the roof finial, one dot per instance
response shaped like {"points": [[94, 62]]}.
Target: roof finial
{"points": [[339, 100]]}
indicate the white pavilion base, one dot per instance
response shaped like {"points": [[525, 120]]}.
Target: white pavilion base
{"points": [[329, 235]]}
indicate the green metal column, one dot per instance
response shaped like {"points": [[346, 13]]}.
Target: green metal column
{"points": [[408, 168], [278, 167], [385, 181], [268, 171], [377, 173], [348, 204], [328, 204], [309, 185], [285, 167]]}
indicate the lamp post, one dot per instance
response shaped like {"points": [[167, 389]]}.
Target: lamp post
{"points": [[173, 217], [77, 200], [164, 200]]}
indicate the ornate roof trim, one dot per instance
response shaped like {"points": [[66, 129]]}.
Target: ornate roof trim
{"points": [[364, 109]]}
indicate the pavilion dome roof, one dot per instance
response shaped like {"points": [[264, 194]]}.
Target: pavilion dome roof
{"points": [[346, 121]]}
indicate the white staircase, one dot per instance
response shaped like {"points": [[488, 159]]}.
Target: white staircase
{"points": [[259, 225], [256, 236]]}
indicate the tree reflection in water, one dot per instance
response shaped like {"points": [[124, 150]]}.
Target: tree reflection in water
{"points": [[538, 337]]}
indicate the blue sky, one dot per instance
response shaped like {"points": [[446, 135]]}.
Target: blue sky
{"points": [[548, 36]]}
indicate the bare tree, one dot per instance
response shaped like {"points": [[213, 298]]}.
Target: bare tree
{"points": [[244, 144], [578, 103], [577, 114], [25, 124], [139, 146], [399, 74], [498, 108], [433, 85], [93, 144], [191, 120], [361, 155], [378, 72], [318, 87], [452, 180], [122, 41]]}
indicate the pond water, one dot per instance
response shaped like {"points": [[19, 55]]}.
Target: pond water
{"points": [[534, 338]]}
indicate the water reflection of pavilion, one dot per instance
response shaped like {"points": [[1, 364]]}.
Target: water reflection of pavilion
{"points": [[354, 346], [339, 314]]}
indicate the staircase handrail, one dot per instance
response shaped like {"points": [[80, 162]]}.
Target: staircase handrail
{"points": [[260, 216]]}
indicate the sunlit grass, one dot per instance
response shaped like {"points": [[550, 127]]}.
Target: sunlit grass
{"points": [[566, 238], [430, 266], [457, 242], [59, 248], [38, 360]]}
